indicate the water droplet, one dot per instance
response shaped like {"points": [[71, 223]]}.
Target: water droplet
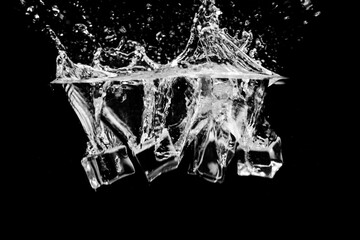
{"points": [[252, 53], [150, 18], [55, 10], [316, 14], [122, 29], [259, 43], [159, 36], [307, 4], [148, 6], [29, 10], [171, 33]]}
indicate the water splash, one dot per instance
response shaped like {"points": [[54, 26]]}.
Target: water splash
{"points": [[279, 25], [208, 101]]}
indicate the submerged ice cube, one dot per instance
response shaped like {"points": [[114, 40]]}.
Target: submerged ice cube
{"points": [[215, 155], [87, 101], [108, 167], [157, 156], [147, 116], [263, 161], [121, 96]]}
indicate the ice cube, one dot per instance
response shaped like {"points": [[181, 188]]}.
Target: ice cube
{"points": [[108, 167], [263, 161], [157, 156]]}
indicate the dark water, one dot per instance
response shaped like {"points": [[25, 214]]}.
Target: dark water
{"points": [[52, 140]]}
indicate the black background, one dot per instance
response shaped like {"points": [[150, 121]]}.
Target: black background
{"points": [[47, 144]]}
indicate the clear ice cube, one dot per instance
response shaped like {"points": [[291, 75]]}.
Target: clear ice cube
{"points": [[107, 167], [157, 156], [263, 161], [136, 113]]}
